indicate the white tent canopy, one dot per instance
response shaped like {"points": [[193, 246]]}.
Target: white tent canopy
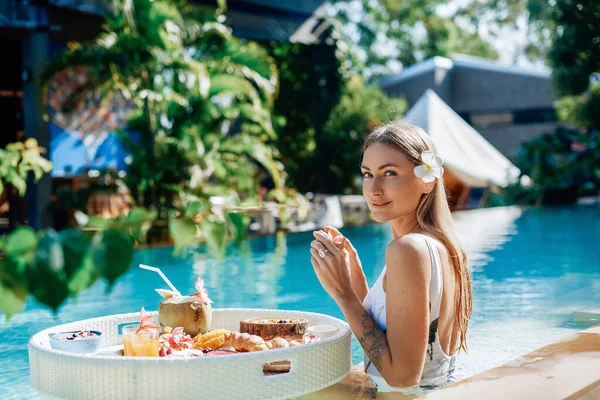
{"points": [[467, 155]]}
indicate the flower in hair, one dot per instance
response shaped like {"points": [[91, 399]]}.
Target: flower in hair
{"points": [[431, 167]]}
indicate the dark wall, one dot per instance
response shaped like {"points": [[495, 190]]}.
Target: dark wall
{"points": [[479, 90], [413, 88], [12, 54], [11, 102], [508, 139]]}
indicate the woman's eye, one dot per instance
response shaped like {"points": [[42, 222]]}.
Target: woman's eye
{"points": [[367, 175], [390, 173]]}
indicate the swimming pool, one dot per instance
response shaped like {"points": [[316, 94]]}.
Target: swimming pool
{"points": [[531, 269]]}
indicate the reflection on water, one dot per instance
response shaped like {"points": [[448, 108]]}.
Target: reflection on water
{"points": [[531, 270]]}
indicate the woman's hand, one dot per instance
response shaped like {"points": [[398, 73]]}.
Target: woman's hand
{"points": [[333, 271], [350, 251], [357, 276]]}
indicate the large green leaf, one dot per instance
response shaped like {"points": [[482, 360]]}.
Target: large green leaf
{"points": [[20, 245], [97, 222], [84, 276], [79, 266], [47, 275], [13, 287], [240, 224], [75, 246], [112, 253], [196, 207], [10, 302], [139, 220], [214, 232], [183, 232]]}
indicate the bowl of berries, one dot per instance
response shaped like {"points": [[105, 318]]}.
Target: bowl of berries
{"points": [[80, 342]]}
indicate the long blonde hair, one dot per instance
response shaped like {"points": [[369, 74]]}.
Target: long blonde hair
{"points": [[433, 213]]}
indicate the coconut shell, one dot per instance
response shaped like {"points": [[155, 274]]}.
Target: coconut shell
{"points": [[268, 328], [186, 311]]}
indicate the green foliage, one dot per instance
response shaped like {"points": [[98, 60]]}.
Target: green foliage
{"points": [[17, 160], [563, 32], [581, 110], [360, 109], [51, 266], [327, 115], [574, 54], [204, 122], [311, 79], [498, 17], [183, 232], [562, 166], [382, 33]]}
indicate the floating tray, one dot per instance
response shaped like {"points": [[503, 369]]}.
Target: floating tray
{"points": [[106, 375]]}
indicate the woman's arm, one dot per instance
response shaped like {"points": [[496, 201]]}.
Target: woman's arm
{"points": [[398, 354], [359, 283]]}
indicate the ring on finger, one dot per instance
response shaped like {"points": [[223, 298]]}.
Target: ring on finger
{"points": [[322, 253]]}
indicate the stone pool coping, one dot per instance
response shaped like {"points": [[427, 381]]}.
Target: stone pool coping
{"points": [[567, 369]]}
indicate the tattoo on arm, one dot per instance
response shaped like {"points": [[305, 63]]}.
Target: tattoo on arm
{"points": [[373, 340]]}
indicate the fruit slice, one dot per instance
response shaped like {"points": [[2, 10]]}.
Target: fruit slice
{"points": [[211, 340]]}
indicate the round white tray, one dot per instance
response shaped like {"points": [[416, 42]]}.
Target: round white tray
{"points": [[106, 375]]}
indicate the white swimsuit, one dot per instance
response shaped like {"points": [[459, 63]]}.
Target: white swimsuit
{"points": [[438, 366]]}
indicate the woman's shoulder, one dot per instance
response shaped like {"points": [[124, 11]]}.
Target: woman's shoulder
{"points": [[409, 253], [416, 239]]}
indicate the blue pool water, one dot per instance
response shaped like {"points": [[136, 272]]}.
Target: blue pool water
{"points": [[531, 270]]}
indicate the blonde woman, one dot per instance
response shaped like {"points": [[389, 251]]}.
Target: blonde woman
{"points": [[414, 319]]}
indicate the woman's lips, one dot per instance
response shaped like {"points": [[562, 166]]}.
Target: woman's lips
{"points": [[380, 204]]}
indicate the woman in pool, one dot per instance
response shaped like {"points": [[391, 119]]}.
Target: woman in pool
{"points": [[414, 319]]}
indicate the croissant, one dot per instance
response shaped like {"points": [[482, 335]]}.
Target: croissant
{"points": [[245, 342], [277, 343]]}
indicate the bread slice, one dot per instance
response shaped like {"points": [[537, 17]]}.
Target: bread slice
{"points": [[268, 328]]}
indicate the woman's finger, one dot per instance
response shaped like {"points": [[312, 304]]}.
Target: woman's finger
{"points": [[314, 263], [320, 260], [325, 241], [350, 247], [335, 234], [316, 244], [332, 230]]}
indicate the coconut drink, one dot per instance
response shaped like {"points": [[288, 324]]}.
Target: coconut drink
{"points": [[193, 312]]}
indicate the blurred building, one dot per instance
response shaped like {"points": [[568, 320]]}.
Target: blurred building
{"points": [[507, 105], [33, 32]]}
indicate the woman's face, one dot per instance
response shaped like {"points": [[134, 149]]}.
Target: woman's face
{"points": [[390, 186]]}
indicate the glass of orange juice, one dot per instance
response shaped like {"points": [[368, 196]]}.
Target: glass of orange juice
{"points": [[140, 344]]}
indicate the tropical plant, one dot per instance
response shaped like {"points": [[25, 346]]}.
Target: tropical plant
{"points": [[559, 167], [581, 110], [311, 79], [52, 266], [17, 160], [326, 114], [203, 121], [205, 134]]}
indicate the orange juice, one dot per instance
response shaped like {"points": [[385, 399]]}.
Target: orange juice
{"points": [[127, 345], [140, 344], [143, 345]]}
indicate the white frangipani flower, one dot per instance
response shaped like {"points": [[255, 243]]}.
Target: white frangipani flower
{"points": [[431, 167]]}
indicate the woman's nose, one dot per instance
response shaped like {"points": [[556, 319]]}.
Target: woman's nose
{"points": [[373, 187]]}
